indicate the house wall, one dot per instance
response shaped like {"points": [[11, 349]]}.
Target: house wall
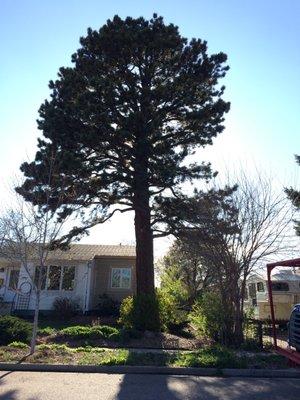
{"points": [[48, 296], [92, 279], [5, 292], [101, 279]]}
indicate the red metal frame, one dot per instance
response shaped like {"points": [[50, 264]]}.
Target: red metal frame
{"points": [[293, 356]]}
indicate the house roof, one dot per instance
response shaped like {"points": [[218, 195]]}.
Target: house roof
{"points": [[78, 252], [85, 252], [281, 275]]}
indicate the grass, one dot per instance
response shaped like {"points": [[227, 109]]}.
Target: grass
{"points": [[213, 356]]}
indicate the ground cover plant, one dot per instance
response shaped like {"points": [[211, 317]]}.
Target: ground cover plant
{"points": [[13, 328], [207, 357]]}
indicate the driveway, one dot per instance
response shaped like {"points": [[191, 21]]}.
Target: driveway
{"points": [[73, 386]]}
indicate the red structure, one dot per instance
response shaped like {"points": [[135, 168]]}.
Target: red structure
{"points": [[292, 355]]}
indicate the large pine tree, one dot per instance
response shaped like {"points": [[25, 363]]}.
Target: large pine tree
{"points": [[120, 124]]}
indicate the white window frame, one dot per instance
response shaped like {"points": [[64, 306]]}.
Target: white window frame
{"points": [[120, 287], [60, 289]]}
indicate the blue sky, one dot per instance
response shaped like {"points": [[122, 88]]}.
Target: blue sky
{"points": [[261, 38]]}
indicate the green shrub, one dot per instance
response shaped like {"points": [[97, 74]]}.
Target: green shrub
{"points": [[14, 329], [140, 312], [65, 308], [209, 317], [18, 345], [150, 312], [105, 330], [90, 332], [107, 306], [171, 317], [77, 332], [47, 331]]}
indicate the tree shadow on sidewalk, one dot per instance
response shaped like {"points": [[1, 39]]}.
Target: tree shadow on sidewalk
{"points": [[167, 387]]}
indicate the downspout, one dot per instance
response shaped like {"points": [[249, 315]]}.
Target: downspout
{"points": [[88, 285]]}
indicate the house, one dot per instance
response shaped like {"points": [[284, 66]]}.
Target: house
{"points": [[285, 290], [82, 273]]}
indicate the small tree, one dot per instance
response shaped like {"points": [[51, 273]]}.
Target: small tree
{"points": [[28, 233], [139, 99], [182, 272]]}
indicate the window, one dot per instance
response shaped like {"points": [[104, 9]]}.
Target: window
{"points": [[260, 287], [68, 279], [43, 272], [13, 279], [280, 287], [252, 290], [54, 276], [121, 278]]}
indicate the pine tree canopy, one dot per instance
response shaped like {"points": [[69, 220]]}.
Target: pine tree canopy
{"points": [[121, 122]]}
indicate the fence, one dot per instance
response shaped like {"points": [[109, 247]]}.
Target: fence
{"points": [[259, 333]]}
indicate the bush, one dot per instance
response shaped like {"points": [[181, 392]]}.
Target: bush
{"points": [[14, 329], [172, 318], [65, 308], [209, 318], [91, 332], [18, 345], [150, 312], [47, 331], [140, 312], [107, 307]]}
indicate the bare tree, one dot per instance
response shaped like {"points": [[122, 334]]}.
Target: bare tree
{"points": [[28, 233], [264, 222], [233, 239]]}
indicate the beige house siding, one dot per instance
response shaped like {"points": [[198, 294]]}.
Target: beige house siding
{"points": [[101, 278]]}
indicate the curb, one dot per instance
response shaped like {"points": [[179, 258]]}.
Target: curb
{"points": [[126, 369]]}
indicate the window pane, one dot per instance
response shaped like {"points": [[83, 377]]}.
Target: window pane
{"points": [[252, 291], [260, 287], [54, 277], [280, 286], [14, 278], [126, 278], [68, 278], [116, 278], [43, 271]]}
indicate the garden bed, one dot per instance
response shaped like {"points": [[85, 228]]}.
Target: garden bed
{"points": [[207, 357], [79, 335]]}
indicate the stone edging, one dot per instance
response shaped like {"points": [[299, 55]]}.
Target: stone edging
{"points": [[126, 369]]}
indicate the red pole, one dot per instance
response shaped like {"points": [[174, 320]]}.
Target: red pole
{"points": [[269, 270]]}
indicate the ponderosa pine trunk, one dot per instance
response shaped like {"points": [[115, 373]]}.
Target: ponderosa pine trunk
{"points": [[142, 222], [144, 245]]}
